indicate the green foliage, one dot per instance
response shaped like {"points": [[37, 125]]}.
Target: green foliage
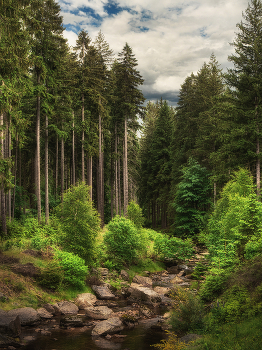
{"points": [[123, 240], [173, 247], [52, 275], [188, 312], [253, 247], [214, 285], [192, 199], [134, 213], [199, 271], [79, 222], [235, 221], [74, 269]]}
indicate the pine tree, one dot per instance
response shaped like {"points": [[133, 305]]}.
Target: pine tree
{"points": [[246, 80]]}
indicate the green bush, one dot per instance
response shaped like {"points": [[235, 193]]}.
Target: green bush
{"points": [[74, 269], [188, 313], [123, 241], [214, 285], [173, 248], [52, 275], [134, 213], [79, 222]]}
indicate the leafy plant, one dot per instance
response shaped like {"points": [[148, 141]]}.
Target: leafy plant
{"points": [[123, 240], [74, 269], [79, 221], [214, 284], [173, 247], [134, 213]]}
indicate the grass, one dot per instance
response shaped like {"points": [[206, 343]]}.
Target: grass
{"points": [[245, 335]]}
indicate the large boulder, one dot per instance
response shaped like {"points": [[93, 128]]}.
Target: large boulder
{"points": [[28, 316], [85, 300], [139, 292], [10, 325], [43, 313], [145, 281], [8, 342], [67, 308], [124, 275], [103, 292], [110, 326], [98, 312]]}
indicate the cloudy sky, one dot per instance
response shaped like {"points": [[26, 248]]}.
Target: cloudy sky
{"points": [[170, 38]]}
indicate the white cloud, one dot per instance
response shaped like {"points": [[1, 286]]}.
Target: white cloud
{"points": [[180, 35]]}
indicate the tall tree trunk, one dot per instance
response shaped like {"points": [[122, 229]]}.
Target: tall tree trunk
{"points": [[83, 138], [215, 193], [90, 175], [46, 173], [20, 177], [56, 168], [62, 168], [9, 156], [37, 157], [3, 212], [116, 174], [119, 188], [15, 171], [125, 169], [73, 154], [100, 199]]}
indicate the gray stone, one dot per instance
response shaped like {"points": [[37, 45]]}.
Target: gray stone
{"points": [[124, 275], [51, 309], [85, 300], [10, 325], [6, 341], [67, 308], [172, 270], [103, 292], [98, 312], [72, 321], [43, 313], [110, 326], [143, 293], [146, 281], [28, 316]]}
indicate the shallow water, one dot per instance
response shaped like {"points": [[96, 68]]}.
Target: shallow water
{"points": [[142, 337]]}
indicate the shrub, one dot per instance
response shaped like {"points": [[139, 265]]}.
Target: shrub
{"points": [[123, 240], [134, 213], [52, 275], [79, 221], [74, 269], [188, 312], [214, 285], [173, 248]]}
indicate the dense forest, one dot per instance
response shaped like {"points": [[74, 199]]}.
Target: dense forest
{"points": [[92, 176]]}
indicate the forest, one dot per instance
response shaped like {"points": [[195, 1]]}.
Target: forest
{"points": [[106, 178]]}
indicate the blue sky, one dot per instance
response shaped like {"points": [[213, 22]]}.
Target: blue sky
{"points": [[170, 38]]}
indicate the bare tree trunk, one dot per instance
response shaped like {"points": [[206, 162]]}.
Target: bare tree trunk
{"points": [[258, 168], [73, 154], [119, 188], [9, 156], [37, 160], [100, 199], [83, 138], [46, 173], [3, 213], [56, 168], [125, 170], [20, 177], [90, 175], [62, 169], [116, 174], [15, 171]]}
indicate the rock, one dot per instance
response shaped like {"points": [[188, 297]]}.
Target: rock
{"points": [[173, 270], [145, 281], [124, 275], [162, 290], [26, 270], [10, 325], [72, 321], [98, 312], [103, 292], [43, 313], [67, 308], [146, 312], [28, 316], [176, 280], [51, 309], [181, 273], [6, 341], [110, 326], [107, 344], [144, 293], [101, 271], [85, 300]]}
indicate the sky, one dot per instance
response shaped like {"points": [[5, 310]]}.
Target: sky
{"points": [[169, 38]]}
